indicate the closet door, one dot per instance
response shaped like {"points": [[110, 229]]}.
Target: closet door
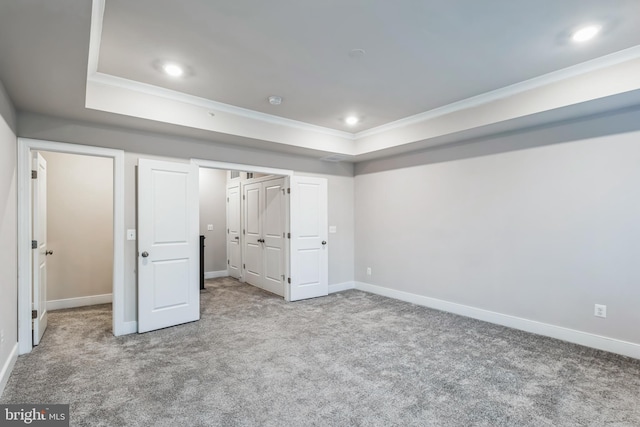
{"points": [[273, 228], [253, 264]]}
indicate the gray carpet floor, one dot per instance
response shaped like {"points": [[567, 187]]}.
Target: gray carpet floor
{"points": [[349, 359]]}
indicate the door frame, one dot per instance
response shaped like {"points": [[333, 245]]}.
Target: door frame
{"points": [[286, 174], [25, 147]]}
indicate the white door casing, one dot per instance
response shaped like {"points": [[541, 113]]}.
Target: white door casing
{"points": [[252, 232], [40, 252], [234, 261], [309, 243], [168, 244]]}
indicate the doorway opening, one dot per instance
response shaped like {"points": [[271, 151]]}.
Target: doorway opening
{"points": [[244, 226], [34, 244], [73, 218]]}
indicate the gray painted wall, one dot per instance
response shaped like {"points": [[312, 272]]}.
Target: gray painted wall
{"points": [[213, 210], [161, 147], [542, 233], [8, 231], [79, 225]]}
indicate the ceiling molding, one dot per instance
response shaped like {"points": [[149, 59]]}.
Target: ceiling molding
{"points": [[125, 96], [95, 36], [507, 91], [213, 106]]}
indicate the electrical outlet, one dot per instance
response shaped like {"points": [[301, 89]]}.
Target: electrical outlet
{"points": [[2, 336], [131, 234], [209, 227], [368, 271], [600, 310]]}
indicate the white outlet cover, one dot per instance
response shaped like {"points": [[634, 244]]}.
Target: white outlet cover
{"points": [[210, 227], [131, 234], [600, 310], [333, 229], [368, 271]]}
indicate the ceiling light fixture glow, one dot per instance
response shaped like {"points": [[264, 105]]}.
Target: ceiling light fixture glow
{"points": [[585, 33], [174, 70], [351, 120]]}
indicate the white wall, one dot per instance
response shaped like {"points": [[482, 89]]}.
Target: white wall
{"points": [[163, 147], [213, 210], [8, 239], [79, 226], [542, 233]]}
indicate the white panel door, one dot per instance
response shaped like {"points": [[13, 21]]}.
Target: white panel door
{"points": [[40, 252], [253, 266], [273, 228], [168, 244], [234, 262], [309, 226]]}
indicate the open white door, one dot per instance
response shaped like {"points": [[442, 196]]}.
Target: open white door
{"points": [[273, 236], [234, 262], [309, 226], [168, 252], [39, 246]]}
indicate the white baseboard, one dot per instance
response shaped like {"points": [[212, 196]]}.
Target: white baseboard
{"points": [[587, 339], [341, 287], [59, 304], [215, 274], [7, 367], [129, 328]]}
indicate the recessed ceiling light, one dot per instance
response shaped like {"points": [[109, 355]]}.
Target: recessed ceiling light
{"points": [[585, 33], [275, 100], [174, 70], [351, 120]]}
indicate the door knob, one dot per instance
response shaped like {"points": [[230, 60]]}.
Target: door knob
{"points": [[48, 252], [324, 242], [144, 254]]}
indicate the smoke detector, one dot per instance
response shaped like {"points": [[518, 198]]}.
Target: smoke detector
{"points": [[275, 100]]}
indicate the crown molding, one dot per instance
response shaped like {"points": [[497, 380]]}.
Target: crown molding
{"points": [[213, 106], [315, 132], [95, 36], [507, 91]]}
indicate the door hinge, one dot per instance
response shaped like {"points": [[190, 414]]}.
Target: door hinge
{"points": [[228, 262], [227, 231], [244, 231], [289, 280], [288, 190], [34, 314], [243, 198], [227, 200], [283, 191], [244, 266], [34, 244], [34, 174], [288, 235]]}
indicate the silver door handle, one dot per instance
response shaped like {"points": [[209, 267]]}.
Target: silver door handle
{"points": [[324, 242], [48, 252], [144, 254]]}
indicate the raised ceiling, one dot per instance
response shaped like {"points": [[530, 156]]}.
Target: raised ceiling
{"points": [[420, 55], [434, 72]]}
